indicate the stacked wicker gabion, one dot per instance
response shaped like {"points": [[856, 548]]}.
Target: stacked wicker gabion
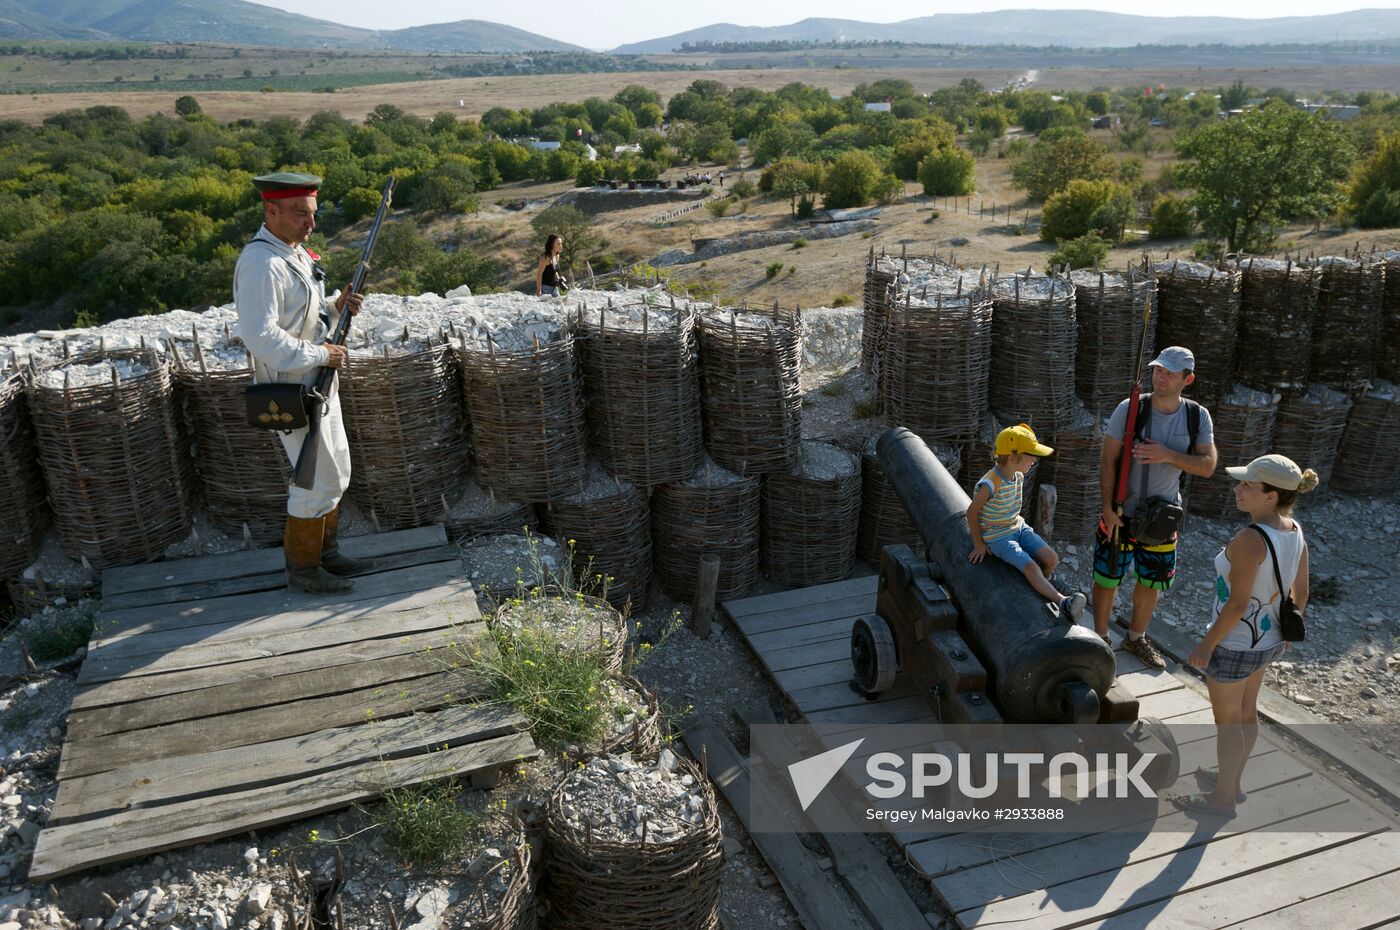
{"points": [[937, 361], [1278, 303], [633, 724], [408, 428], [1309, 428], [879, 279], [1074, 471], [641, 377], [503, 896], [243, 471], [114, 460], [1244, 430], [1389, 367], [713, 512], [21, 482], [474, 511], [1108, 308], [526, 407], [634, 843], [1369, 461], [1350, 301], [810, 517], [752, 403], [1199, 308], [883, 519], [1033, 340], [606, 531]]}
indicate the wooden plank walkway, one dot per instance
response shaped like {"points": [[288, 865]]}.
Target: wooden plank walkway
{"points": [[1291, 866], [213, 701]]}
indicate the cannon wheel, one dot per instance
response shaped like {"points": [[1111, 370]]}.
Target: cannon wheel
{"points": [[873, 654]]}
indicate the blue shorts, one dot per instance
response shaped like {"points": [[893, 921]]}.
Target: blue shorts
{"points": [[1018, 549]]}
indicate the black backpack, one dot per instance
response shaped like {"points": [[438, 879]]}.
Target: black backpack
{"points": [[1193, 424]]}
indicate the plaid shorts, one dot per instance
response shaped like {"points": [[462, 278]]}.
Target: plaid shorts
{"points": [[1239, 664], [1155, 566]]}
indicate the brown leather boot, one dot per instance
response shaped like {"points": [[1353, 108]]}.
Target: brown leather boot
{"points": [[302, 545], [331, 559]]}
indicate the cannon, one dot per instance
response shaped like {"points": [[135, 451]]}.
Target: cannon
{"points": [[980, 644]]}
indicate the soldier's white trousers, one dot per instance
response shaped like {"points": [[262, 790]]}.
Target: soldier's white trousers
{"points": [[332, 465]]}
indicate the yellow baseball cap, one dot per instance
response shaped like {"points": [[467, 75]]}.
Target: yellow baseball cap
{"points": [[1020, 438]]}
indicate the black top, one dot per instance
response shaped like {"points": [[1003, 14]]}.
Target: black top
{"points": [[550, 277]]}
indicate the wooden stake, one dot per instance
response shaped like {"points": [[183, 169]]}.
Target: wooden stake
{"points": [[702, 609]]}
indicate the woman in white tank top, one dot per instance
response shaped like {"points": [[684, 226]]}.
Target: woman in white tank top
{"points": [[1244, 639]]}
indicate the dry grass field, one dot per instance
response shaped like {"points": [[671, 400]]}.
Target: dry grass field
{"points": [[480, 94]]}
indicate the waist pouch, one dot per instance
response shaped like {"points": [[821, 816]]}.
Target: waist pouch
{"points": [[1155, 521], [278, 406]]}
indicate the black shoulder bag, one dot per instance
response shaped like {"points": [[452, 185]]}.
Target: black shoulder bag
{"points": [[1290, 618], [285, 405], [1156, 519]]}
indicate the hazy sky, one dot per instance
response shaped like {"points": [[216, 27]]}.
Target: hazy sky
{"points": [[609, 24]]}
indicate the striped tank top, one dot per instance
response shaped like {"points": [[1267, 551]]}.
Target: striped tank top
{"points": [[1001, 514]]}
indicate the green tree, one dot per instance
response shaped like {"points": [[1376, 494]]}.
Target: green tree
{"points": [[1172, 217], [850, 180], [948, 173], [581, 240], [187, 106], [359, 203], [1378, 173], [449, 186], [1102, 207], [1261, 168], [1088, 251], [1058, 158]]}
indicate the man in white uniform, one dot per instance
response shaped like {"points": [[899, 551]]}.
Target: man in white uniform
{"points": [[284, 318]]}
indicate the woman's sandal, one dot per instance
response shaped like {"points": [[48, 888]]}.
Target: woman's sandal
{"points": [[1207, 778], [1200, 804]]}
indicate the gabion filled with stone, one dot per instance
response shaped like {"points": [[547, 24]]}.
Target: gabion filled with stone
{"points": [[1278, 304], [1074, 471], [1309, 429], [1108, 309], [1199, 308], [937, 362], [714, 512], [1033, 345], [1346, 344], [1244, 430], [1369, 461], [22, 496], [810, 517], [752, 403], [883, 519], [606, 531]]}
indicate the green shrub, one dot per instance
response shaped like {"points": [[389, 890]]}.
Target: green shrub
{"points": [[889, 189], [772, 269], [1087, 251], [799, 243], [426, 825], [1102, 207], [842, 300], [851, 180], [743, 188], [806, 206], [950, 172], [1172, 217], [1381, 211], [719, 208]]}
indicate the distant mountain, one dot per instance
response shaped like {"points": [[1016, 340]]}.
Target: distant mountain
{"points": [[243, 23], [1076, 28]]}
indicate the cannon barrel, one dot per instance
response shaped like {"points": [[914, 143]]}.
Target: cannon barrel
{"points": [[1039, 665]]}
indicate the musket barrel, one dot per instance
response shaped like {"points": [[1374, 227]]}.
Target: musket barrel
{"points": [[1034, 661]]}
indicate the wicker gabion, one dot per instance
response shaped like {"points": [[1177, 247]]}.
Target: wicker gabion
{"points": [[1199, 307], [503, 897], [641, 377], [473, 511], [243, 472], [22, 497], [937, 362], [714, 512], [1309, 429], [115, 462], [586, 625], [1389, 365], [1244, 430], [1108, 309], [526, 410], [1350, 311], [609, 867], [1033, 346], [883, 519], [1278, 304], [1369, 460], [606, 530], [1074, 471], [879, 280], [407, 427], [634, 726], [750, 366], [810, 518]]}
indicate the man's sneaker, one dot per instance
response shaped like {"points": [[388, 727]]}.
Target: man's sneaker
{"points": [[1146, 652]]}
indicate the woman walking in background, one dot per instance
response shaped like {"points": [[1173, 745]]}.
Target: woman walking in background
{"points": [[548, 279], [1264, 557]]}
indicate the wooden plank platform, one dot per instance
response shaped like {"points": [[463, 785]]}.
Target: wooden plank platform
{"points": [[1312, 851], [213, 701]]}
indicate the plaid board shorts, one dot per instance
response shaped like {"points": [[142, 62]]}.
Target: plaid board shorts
{"points": [[1239, 664], [1155, 566]]}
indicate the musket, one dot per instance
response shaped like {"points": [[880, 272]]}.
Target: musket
{"points": [[305, 474], [1125, 462]]}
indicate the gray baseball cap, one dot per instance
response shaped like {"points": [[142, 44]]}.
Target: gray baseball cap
{"points": [[1176, 358]]}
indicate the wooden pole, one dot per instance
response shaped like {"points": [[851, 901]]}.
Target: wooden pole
{"points": [[702, 609]]}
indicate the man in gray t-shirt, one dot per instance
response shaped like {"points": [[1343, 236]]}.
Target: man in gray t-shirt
{"points": [[1163, 453]]}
